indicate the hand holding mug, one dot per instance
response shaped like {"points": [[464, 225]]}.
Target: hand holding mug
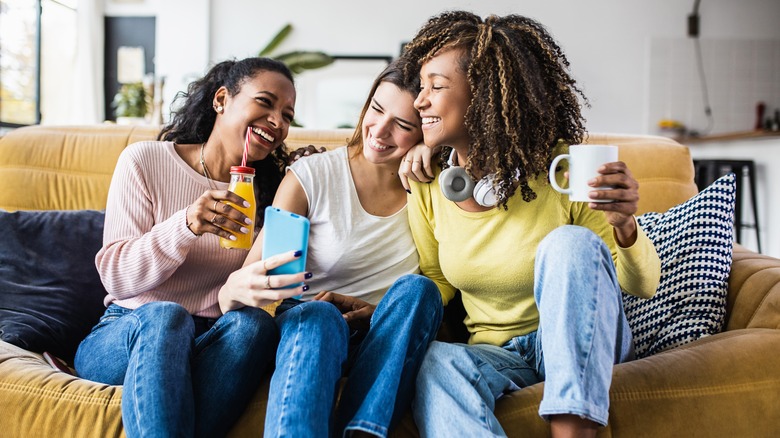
{"points": [[597, 177], [584, 164]]}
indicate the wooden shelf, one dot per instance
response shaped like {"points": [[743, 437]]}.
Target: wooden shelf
{"points": [[729, 136]]}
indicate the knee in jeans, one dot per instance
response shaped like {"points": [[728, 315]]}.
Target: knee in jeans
{"points": [[568, 237], [251, 323], [319, 317], [415, 289], [165, 315]]}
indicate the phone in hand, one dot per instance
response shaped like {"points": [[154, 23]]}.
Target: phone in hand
{"points": [[284, 231]]}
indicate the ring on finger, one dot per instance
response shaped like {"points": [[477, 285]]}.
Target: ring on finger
{"points": [[215, 205], [268, 282], [214, 219], [265, 268]]}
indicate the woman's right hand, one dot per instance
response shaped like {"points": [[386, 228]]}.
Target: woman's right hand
{"points": [[252, 286], [416, 165], [210, 213]]}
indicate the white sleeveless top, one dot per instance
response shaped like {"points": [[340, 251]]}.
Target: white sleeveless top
{"points": [[351, 252]]}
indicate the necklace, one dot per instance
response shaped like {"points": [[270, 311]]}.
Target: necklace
{"points": [[206, 173]]}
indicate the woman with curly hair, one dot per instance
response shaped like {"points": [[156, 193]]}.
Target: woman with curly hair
{"points": [[540, 276], [163, 335]]}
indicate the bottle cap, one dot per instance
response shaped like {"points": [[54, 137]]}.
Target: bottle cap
{"points": [[242, 169]]}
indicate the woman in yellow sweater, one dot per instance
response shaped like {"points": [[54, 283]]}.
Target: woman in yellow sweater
{"points": [[540, 276]]}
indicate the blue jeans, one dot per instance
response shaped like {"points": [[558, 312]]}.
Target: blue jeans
{"points": [[582, 333], [182, 375], [314, 353]]}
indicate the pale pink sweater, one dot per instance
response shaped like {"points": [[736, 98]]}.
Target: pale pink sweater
{"points": [[148, 253]]}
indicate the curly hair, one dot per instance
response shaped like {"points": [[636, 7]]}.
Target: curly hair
{"points": [[193, 120], [394, 75], [523, 98]]}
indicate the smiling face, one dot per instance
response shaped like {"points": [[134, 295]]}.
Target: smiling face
{"points": [[391, 125], [443, 100], [266, 104]]}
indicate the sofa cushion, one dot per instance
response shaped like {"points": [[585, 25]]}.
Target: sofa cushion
{"points": [[50, 291], [694, 242]]}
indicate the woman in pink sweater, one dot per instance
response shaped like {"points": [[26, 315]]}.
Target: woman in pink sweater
{"points": [[188, 369]]}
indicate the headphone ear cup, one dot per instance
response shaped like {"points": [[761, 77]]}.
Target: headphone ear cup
{"points": [[485, 193], [456, 184]]}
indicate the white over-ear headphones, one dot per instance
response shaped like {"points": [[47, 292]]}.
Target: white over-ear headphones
{"points": [[457, 185]]}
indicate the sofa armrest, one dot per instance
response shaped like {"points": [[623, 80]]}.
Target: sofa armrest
{"points": [[754, 291], [37, 400]]}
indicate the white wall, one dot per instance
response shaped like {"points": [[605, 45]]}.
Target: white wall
{"points": [[607, 42]]}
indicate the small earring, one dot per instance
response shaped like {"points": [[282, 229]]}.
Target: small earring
{"points": [[219, 109]]}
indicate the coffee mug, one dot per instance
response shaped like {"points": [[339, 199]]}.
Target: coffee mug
{"points": [[584, 163]]}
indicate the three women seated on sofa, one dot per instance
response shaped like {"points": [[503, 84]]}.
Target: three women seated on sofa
{"points": [[497, 96]]}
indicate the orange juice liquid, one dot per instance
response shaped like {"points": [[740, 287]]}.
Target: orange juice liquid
{"points": [[245, 190]]}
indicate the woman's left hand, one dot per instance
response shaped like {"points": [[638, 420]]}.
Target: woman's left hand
{"points": [[356, 312], [624, 195], [253, 286]]}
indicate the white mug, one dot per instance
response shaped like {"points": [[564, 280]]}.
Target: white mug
{"points": [[584, 162]]}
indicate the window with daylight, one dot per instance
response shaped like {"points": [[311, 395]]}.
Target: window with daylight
{"points": [[20, 30]]}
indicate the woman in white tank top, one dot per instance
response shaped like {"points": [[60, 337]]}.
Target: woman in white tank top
{"points": [[363, 315]]}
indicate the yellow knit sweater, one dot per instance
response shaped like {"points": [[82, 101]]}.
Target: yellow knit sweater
{"points": [[489, 256]]}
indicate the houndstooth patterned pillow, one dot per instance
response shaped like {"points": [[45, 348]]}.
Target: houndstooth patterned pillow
{"points": [[694, 242]]}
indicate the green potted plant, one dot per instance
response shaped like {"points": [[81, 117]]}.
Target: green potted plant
{"points": [[130, 104], [298, 60]]}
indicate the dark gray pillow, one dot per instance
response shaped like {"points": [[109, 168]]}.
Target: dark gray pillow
{"points": [[50, 291]]}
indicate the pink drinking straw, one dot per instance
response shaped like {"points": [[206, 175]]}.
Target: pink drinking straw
{"points": [[246, 145]]}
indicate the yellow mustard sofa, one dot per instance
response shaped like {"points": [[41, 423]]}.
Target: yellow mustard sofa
{"points": [[727, 384]]}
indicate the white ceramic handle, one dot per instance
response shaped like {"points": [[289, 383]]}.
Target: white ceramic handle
{"points": [[553, 182]]}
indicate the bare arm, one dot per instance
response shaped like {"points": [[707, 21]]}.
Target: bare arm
{"points": [[250, 285], [289, 196]]}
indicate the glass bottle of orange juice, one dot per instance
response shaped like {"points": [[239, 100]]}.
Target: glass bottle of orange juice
{"points": [[242, 183]]}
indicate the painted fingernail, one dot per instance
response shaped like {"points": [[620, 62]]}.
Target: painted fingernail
{"points": [[247, 204], [248, 221], [244, 230], [308, 275], [305, 287], [298, 253], [232, 237]]}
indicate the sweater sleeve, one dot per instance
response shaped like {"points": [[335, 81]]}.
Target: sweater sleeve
{"points": [[422, 222], [138, 254], [639, 267]]}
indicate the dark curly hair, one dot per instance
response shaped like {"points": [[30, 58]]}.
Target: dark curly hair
{"points": [[523, 98], [394, 75], [193, 119]]}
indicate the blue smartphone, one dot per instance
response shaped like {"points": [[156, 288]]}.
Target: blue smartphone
{"points": [[284, 231]]}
